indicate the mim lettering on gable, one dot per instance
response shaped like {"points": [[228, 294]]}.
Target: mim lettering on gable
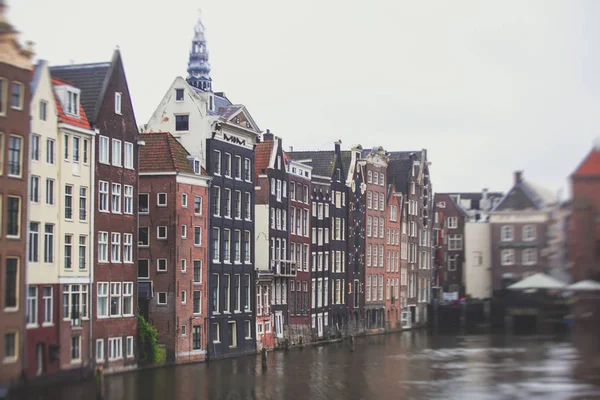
{"points": [[235, 140]]}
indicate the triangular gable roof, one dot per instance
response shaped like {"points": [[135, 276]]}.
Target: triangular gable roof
{"points": [[262, 157], [92, 79], [525, 196], [590, 166], [163, 153], [239, 111]]}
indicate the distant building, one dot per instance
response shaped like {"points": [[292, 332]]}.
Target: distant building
{"points": [[173, 243], [519, 233], [15, 101], [477, 264], [476, 205], [584, 220]]}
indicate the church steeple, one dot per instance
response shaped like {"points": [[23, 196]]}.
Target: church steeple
{"points": [[198, 64]]}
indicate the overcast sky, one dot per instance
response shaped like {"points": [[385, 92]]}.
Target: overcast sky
{"points": [[487, 87]]}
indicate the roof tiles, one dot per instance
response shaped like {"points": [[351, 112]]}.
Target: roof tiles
{"points": [[163, 153]]}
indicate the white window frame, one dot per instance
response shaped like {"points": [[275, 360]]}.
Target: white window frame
{"points": [[117, 153], [128, 159], [118, 99]]}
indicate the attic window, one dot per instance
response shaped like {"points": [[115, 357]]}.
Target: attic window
{"points": [[196, 166], [247, 124], [442, 204], [178, 94], [118, 103], [237, 120], [72, 103]]}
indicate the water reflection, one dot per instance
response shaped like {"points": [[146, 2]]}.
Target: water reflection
{"points": [[407, 365]]}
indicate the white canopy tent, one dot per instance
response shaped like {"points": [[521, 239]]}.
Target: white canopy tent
{"points": [[585, 286], [537, 281]]}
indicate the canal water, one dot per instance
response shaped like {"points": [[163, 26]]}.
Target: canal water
{"points": [[407, 365]]}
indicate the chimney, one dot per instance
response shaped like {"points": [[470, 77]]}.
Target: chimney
{"points": [[267, 135], [484, 195], [338, 145], [518, 176], [291, 149]]}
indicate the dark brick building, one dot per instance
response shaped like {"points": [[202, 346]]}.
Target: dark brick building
{"points": [[173, 226], [15, 75], [106, 100]]}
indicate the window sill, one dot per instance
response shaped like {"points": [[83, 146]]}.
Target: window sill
{"points": [[10, 360], [47, 324], [32, 326]]}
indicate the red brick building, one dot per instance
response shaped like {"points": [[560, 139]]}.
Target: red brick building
{"points": [[172, 273], [392, 257], [15, 75], [584, 229], [107, 104]]}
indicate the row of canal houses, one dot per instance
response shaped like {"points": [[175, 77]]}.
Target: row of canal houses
{"points": [[199, 222]]}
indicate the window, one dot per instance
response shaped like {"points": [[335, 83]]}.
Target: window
{"points": [[246, 293], [103, 149], [115, 247], [197, 296], [68, 202], [116, 198], [381, 202], [102, 299], [50, 191], [183, 297], [128, 247], [161, 199], [143, 236], [50, 151], [197, 271], [529, 256], [116, 153], [529, 233], [129, 347], [16, 96], [226, 239], [15, 144], [161, 298], [82, 203], [452, 263], [115, 299], [143, 269], [76, 348], [232, 333], [228, 165], [215, 293], [369, 200], [216, 332], [68, 251], [128, 155], [247, 170], [197, 337], [238, 205], [217, 162], [99, 349], [118, 103], [76, 141], [128, 199], [34, 241], [35, 147], [143, 203], [196, 166], [34, 189], [103, 196], [506, 233], [183, 265], [161, 265], [32, 306], [477, 258], [11, 283], [508, 257], [198, 205], [66, 147], [217, 201], [11, 343], [182, 123], [161, 232], [102, 246], [247, 239], [452, 222], [115, 348], [3, 93], [85, 151], [47, 303], [248, 206], [454, 242], [178, 94], [72, 103], [237, 237], [48, 243]]}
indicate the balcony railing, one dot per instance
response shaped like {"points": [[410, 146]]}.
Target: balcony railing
{"points": [[283, 268]]}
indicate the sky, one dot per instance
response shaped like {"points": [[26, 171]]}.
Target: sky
{"points": [[487, 87]]}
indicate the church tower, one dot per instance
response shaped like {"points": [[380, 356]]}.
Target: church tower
{"points": [[198, 64]]}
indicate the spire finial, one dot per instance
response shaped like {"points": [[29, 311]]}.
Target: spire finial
{"points": [[198, 64]]}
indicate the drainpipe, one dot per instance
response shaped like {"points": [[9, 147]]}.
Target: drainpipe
{"points": [[208, 271], [91, 240]]}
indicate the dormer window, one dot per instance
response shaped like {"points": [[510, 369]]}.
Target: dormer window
{"points": [[118, 103], [196, 166], [72, 102]]}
